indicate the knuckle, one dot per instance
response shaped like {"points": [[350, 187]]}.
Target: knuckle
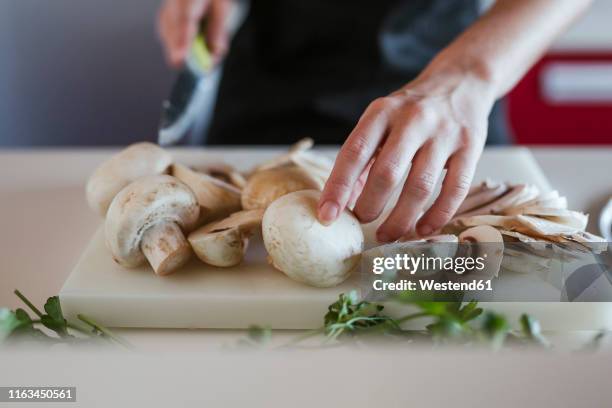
{"points": [[366, 213], [423, 186], [388, 175], [442, 215], [339, 184], [355, 151], [460, 187], [381, 104]]}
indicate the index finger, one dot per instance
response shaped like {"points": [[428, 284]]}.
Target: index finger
{"points": [[354, 156]]}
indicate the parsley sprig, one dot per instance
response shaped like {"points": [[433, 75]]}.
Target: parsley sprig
{"points": [[50, 326]]}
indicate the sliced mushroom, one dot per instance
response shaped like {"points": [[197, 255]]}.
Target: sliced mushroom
{"points": [[546, 200], [217, 199], [484, 194], [515, 195], [147, 219], [487, 243], [224, 243], [137, 160], [224, 172], [265, 186], [287, 158]]}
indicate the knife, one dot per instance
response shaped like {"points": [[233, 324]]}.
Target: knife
{"points": [[179, 113]]}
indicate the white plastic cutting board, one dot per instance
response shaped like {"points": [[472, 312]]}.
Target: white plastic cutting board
{"points": [[202, 296]]}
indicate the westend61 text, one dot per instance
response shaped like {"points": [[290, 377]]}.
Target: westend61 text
{"points": [[432, 285]]}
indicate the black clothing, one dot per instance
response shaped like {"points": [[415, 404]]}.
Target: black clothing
{"points": [[301, 68]]}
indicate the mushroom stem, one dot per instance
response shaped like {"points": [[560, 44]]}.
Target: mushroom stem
{"points": [[165, 247]]}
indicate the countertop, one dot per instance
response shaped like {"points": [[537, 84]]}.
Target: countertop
{"points": [[45, 222]]}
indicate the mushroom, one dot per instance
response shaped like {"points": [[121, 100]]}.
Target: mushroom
{"points": [[295, 150], [137, 160], [485, 242], [224, 172], [516, 195], [306, 250], [217, 198], [486, 192], [265, 186], [223, 243], [147, 219]]}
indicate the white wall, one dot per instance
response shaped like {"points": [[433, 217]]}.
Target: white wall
{"points": [[79, 72]]}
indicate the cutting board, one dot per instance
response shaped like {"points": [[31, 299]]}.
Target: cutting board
{"points": [[203, 296]]}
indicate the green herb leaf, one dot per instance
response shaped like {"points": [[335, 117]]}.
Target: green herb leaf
{"points": [[8, 323], [531, 330], [495, 328], [54, 319], [259, 335]]}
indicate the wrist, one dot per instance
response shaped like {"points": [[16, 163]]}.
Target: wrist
{"points": [[448, 70]]}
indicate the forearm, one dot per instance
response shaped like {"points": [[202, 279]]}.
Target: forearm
{"points": [[505, 42]]}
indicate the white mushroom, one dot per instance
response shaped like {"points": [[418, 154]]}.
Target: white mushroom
{"points": [[487, 243], [224, 172], [287, 158], [217, 198], [306, 250], [223, 243], [147, 219], [515, 195], [481, 195], [137, 160], [265, 186]]}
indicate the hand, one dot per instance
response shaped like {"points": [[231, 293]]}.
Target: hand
{"points": [[179, 21], [438, 121]]}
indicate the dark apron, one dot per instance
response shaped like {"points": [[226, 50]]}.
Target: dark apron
{"points": [[310, 67]]}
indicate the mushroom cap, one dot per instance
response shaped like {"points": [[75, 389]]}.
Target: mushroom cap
{"points": [[265, 186], [146, 202], [306, 250], [137, 160]]}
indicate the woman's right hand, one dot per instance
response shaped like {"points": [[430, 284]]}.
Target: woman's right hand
{"points": [[179, 21]]}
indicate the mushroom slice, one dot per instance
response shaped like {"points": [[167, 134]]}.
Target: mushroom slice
{"points": [[147, 219], [265, 186], [284, 159], [546, 200], [516, 195], [217, 199], [319, 167], [224, 172], [569, 218], [502, 221], [485, 194], [137, 160], [540, 226], [487, 243], [224, 243]]}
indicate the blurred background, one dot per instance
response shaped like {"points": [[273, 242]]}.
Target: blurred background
{"points": [[88, 72]]}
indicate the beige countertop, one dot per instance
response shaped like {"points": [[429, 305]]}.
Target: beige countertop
{"points": [[45, 222]]}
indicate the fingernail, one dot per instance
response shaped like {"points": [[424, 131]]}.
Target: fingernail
{"points": [[328, 212], [425, 230], [383, 237]]}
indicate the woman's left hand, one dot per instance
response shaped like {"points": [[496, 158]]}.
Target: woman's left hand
{"points": [[437, 121]]}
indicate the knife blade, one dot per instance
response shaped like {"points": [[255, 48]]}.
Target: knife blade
{"points": [[178, 111]]}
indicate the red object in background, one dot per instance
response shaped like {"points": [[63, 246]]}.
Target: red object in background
{"points": [[535, 119]]}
